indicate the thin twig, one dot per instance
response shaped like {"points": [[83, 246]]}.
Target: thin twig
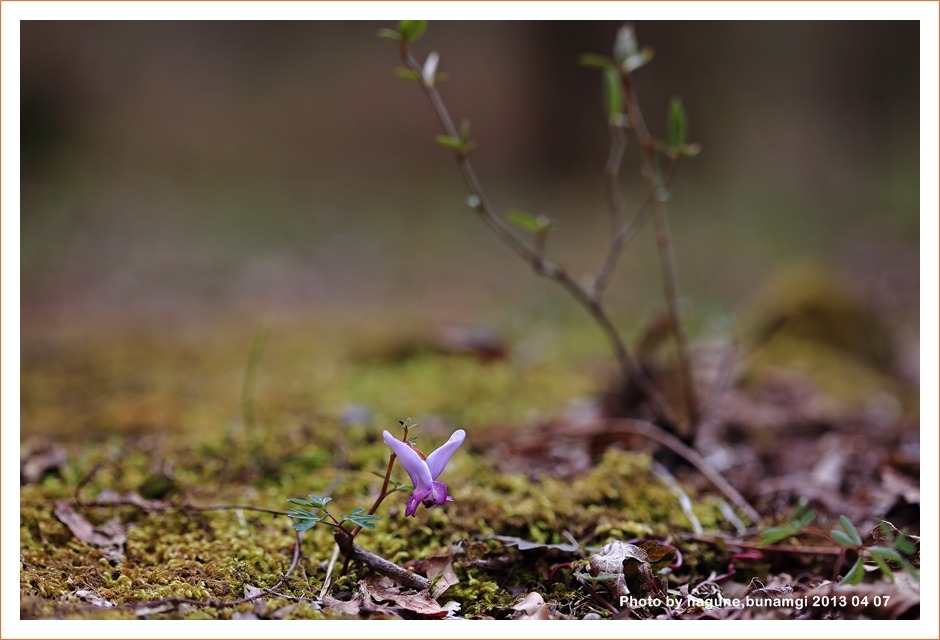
{"points": [[657, 188], [532, 255], [657, 434]]}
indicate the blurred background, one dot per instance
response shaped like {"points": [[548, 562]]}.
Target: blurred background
{"points": [[178, 177]]}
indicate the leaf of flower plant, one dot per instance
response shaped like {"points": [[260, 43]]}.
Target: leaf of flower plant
{"points": [[301, 501], [304, 525], [318, 501], [850, 529]]}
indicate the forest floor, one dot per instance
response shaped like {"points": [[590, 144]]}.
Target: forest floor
{"points": [[156, 470]]}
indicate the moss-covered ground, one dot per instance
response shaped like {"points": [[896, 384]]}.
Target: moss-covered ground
{"points": [[176, 419]]}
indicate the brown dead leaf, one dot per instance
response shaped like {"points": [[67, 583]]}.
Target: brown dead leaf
{"points": [[108, 496], [611, 560], [442, 566], [382, 588], [349, 607], [534, 607], [41, 460], [531, 607], [110, 537], [89, 596]]}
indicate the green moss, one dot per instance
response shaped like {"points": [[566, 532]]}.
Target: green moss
{"points": [[138, 415]]}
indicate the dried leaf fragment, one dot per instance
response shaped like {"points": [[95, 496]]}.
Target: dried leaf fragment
{"points": [[110, 537], [382, 588]]}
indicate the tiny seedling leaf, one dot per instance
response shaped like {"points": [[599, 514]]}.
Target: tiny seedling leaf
{"points": [[603, 576], [885, 569], [411, 30], [850, 529], [843, 539], [856, 573]]}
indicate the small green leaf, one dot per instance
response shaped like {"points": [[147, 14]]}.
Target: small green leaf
{"points": [[850, 529], [389, 34], [411, 30], [595, 61], [407, 74], [678, 127], [539, 224], [885, 569], [843, 539], [856, 573], [462, 148], [603, 576], [304, 525], [300, 501], [613, 94], [357, 511], [318, 501], [773, 535], [903, 544], [465, 131], [887, 553]]}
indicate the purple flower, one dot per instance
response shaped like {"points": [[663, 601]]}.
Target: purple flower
{"points": [[424, 473]]}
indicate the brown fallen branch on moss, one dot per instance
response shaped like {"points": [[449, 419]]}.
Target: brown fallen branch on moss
{"points": [[380, 565]]}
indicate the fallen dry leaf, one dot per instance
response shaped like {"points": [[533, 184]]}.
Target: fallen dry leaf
{"points": [[531, 607], [40, 460], [382, 588], [349, 607], [442, 566], [110, 537], [611, 560]]}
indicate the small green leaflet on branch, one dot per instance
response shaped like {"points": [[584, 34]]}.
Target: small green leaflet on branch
{"points": [[677, 128], [461, 144], [359, 517], [536, 224], [411, 30]]}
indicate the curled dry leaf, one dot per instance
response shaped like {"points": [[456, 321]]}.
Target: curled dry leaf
{"points": [[611, 560], [442, 566], [349, 607], [534, 607], [382, 588], [110, 537]]}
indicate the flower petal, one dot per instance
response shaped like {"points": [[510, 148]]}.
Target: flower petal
{"points": [[439, 458], [415, 467]]}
